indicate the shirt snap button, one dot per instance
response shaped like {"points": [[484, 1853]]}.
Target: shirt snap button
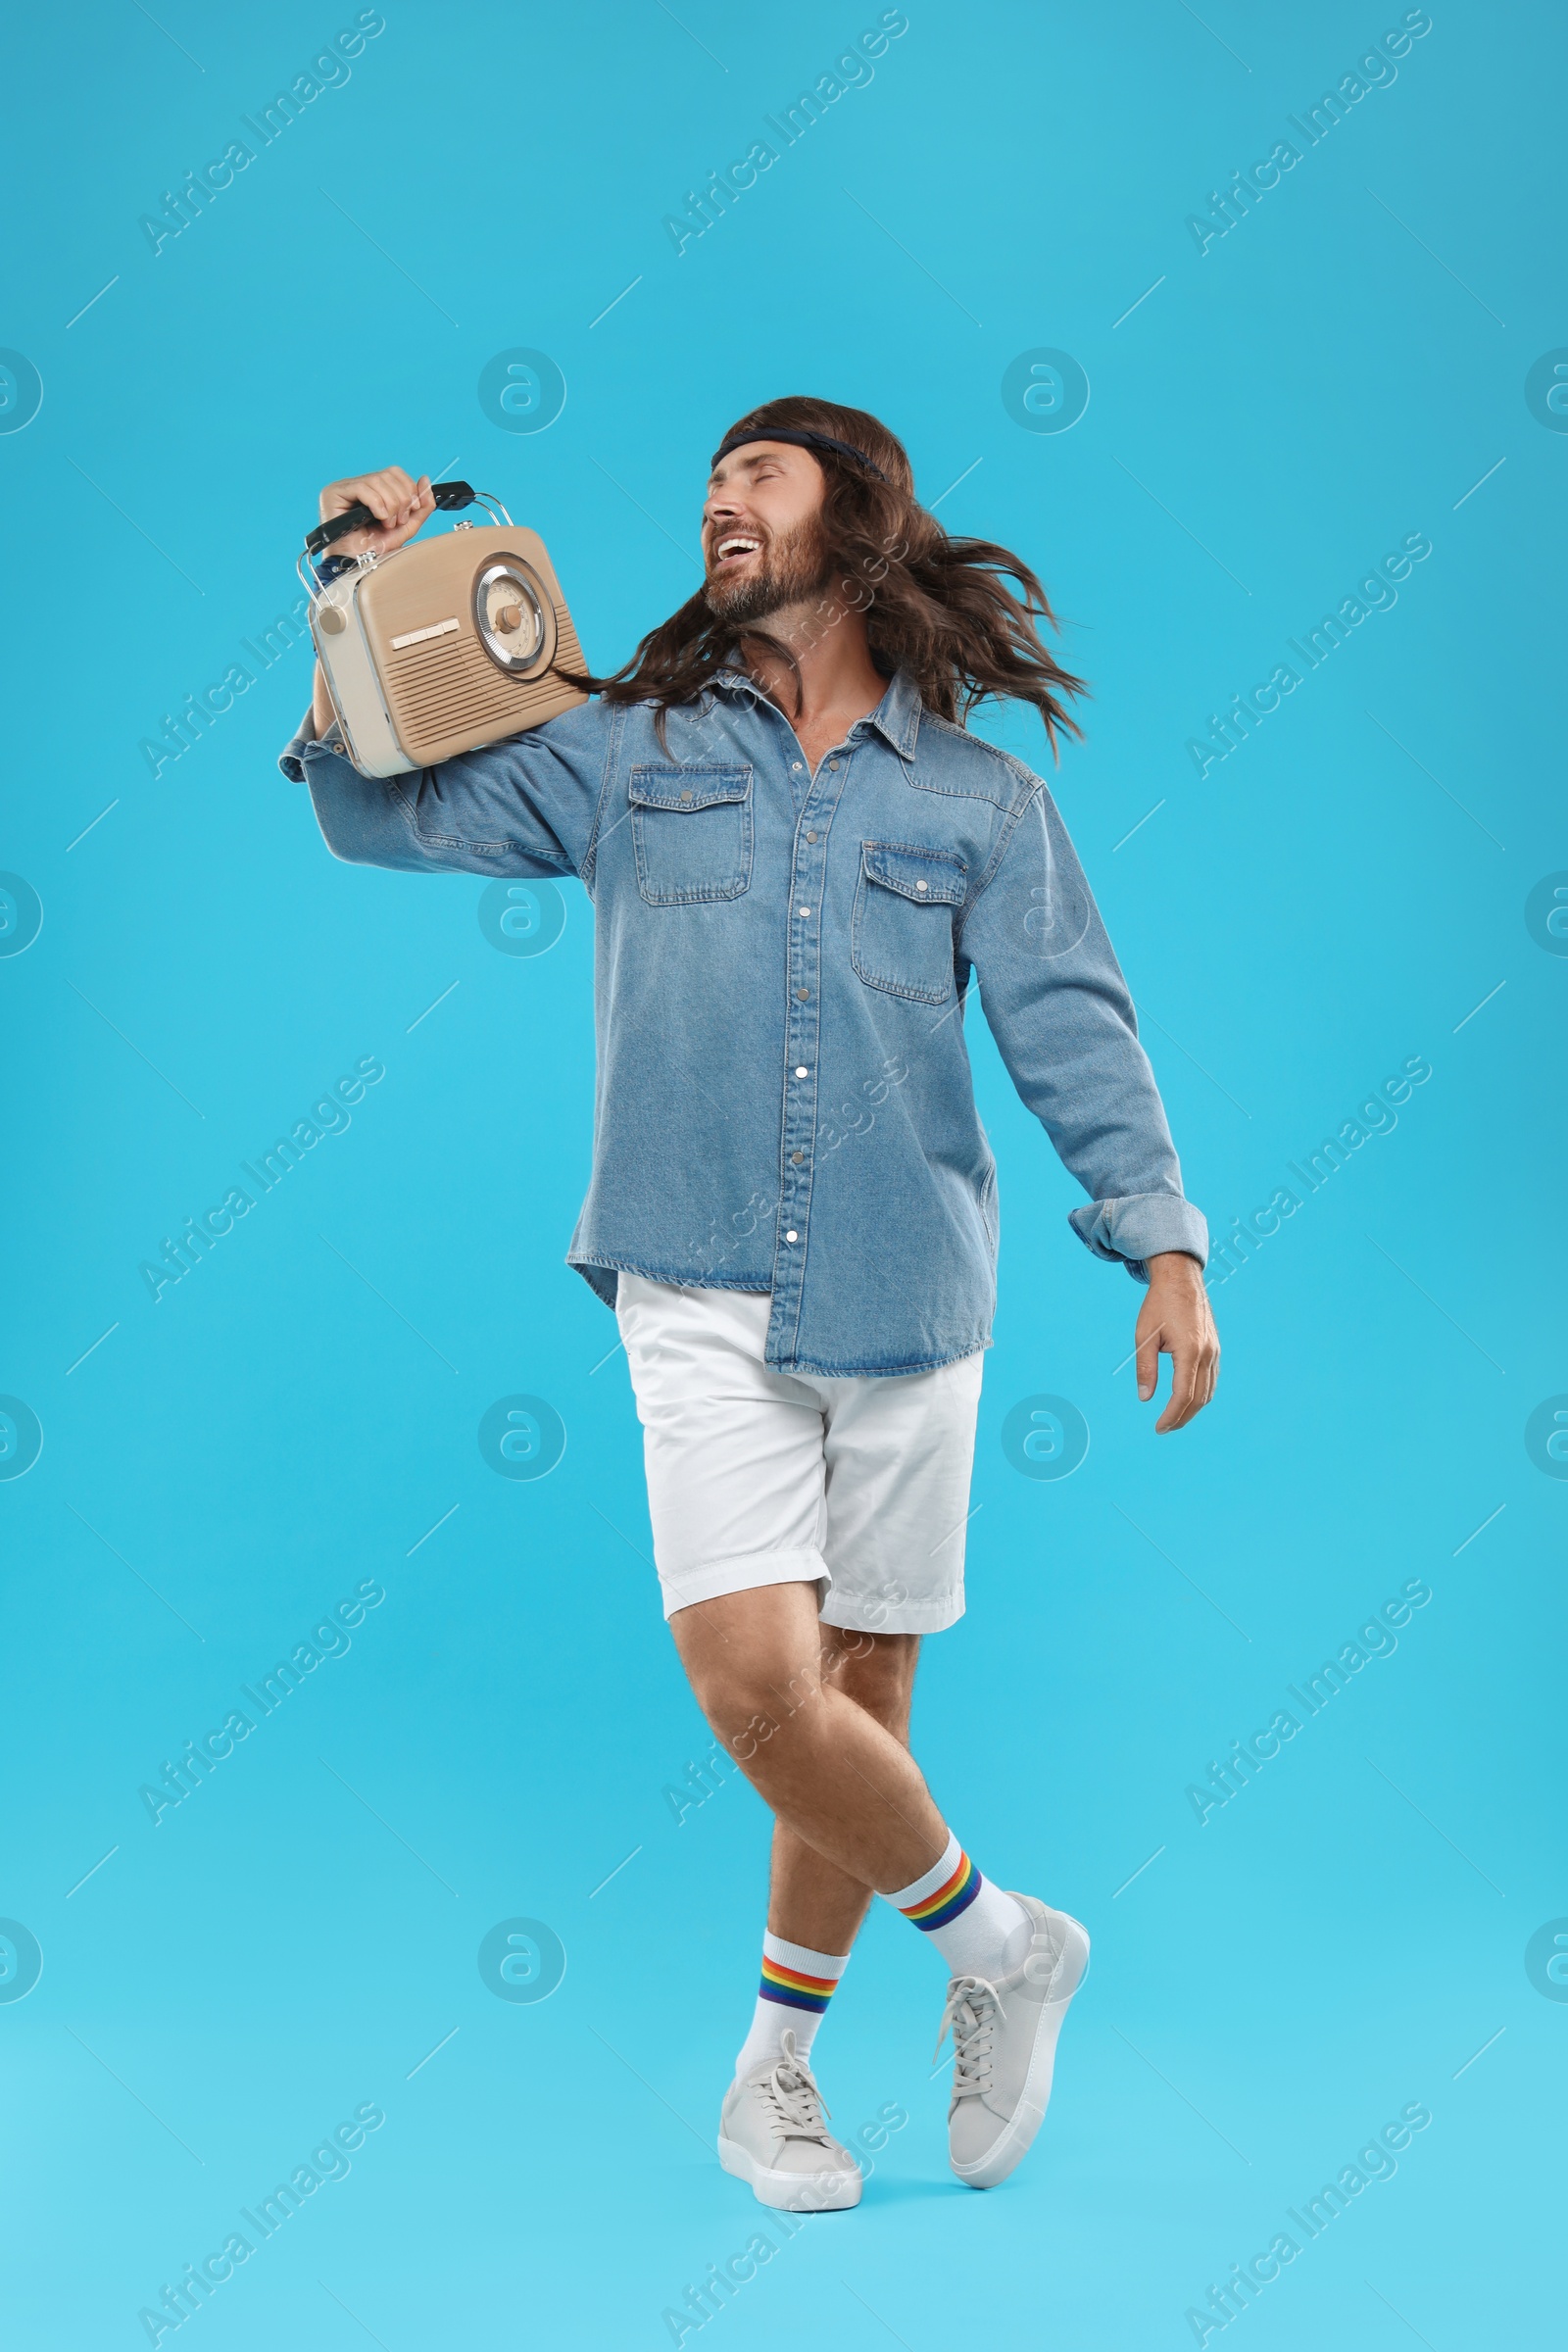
{"points": [[833, 763], [810, 837], [922, 886], [792, 1234], [803, 994], [794, 766], [799, 1069], [797, 1158], [686, 796]]}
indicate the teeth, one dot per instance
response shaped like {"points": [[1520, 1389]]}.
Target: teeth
{"points": [[734, 547]]}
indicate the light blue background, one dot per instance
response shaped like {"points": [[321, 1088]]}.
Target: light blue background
{"points": [[1276, 414]]}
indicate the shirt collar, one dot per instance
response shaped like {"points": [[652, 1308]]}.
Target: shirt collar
{"points": [[896, 719]]}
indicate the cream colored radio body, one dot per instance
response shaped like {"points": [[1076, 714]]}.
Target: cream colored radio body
{"points": [[448, 644]]}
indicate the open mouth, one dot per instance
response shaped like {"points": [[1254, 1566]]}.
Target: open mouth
{"points": [[734, 548]]}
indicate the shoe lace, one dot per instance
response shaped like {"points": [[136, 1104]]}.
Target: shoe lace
{"points": [[789, 2093], [972, 2015]]}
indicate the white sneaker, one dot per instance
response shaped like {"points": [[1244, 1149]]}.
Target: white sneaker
{"points": [[1004, 2048], [771, 2133]]}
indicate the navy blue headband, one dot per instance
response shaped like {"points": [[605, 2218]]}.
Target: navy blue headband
{"points": [[801, 438]]}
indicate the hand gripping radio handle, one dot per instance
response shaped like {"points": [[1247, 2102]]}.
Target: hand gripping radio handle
{"points": [[448, 494]]}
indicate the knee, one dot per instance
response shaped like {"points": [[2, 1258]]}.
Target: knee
{"points": [[877, 1671], [746, 1698]]}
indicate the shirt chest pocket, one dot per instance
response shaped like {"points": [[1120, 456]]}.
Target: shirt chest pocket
{"points": [[692, 831], [901, 936]]}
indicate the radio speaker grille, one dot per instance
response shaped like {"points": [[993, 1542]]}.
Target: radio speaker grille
{"points": [[447, 696]]}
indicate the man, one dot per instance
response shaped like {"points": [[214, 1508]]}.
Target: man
{"points": [[799, 860]]}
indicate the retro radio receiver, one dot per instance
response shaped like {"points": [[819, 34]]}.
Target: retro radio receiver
{"points": [[445, 644]]}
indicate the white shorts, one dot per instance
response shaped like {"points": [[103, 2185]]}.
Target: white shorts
{"points": [[756, 1477]]}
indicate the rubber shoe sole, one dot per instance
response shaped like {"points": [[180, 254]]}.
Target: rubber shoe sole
{"points": [[826, 2191], [1018, 2135]]}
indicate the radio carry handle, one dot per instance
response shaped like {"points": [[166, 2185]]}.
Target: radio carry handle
{"points": [[448, 497]]}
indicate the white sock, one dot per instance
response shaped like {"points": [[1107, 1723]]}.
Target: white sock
{"points": [[797, 1985], [979, 1930]]}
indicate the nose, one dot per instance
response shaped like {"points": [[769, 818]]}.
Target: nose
{"points": [[720, 505]]}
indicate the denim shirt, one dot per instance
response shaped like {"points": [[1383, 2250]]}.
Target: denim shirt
{"points": [[783, 965]]}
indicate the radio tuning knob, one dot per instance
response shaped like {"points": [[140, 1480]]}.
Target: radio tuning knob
{"points": [[333, 620], [508, 619]]}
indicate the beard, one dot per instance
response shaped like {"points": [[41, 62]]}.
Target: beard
{"points": [[788, 570]]}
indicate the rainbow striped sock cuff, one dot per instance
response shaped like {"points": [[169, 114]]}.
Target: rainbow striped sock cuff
{"points": [[944, 1892], [798, 1978]]}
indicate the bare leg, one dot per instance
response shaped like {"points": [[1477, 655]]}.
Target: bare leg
{"points": [[837, 1779], [811, 1900]]}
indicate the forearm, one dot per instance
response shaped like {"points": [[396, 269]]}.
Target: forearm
{"points": [[400, 505], [322, 713], [1060, 1012]]}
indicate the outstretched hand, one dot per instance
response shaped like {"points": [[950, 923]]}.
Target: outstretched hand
{"points": [[1176, 1320]]}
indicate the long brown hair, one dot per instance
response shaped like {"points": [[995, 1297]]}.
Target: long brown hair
{"points": [[937, 607]]}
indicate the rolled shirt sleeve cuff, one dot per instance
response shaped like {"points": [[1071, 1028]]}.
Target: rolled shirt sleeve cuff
{"points": [[1141, 1227], [291, 758]]}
